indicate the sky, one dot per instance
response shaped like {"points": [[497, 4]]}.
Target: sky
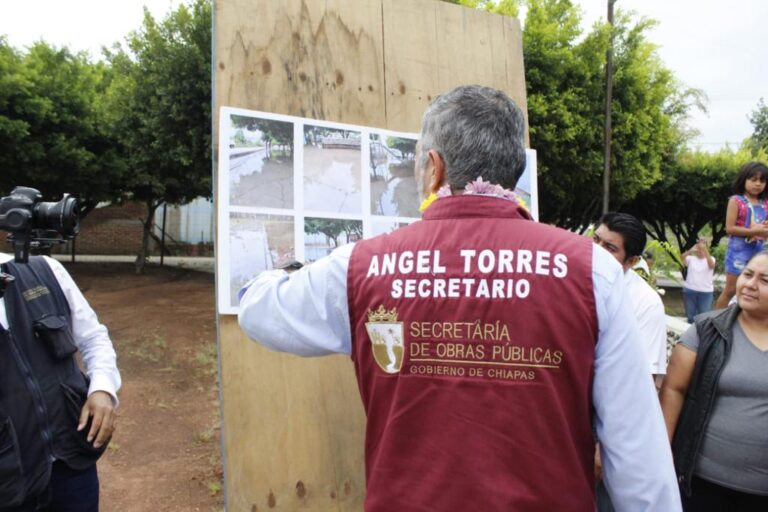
{"points": [[715, 46]]}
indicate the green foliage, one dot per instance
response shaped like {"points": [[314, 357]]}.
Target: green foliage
{"points": [[759, 119], [666, 258], [406, 146], [505, 7], [691, 197], [160, 108], [52, 131], [565, 80], [333, 228], [278, 132]]}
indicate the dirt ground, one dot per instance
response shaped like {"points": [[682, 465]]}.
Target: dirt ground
{"points": [[164, 455]]}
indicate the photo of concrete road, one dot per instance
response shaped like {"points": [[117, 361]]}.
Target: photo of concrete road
{"points": [[393, 184], [257, 243], [332, 181], [261, 162], [255, 180]]}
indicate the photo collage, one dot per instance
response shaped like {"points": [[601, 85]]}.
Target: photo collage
{"points": [[292, 188]]}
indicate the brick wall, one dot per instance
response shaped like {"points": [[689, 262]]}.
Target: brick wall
{"points": [[112, 229]]}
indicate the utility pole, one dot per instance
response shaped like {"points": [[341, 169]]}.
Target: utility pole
{"points": [[608, 102]]}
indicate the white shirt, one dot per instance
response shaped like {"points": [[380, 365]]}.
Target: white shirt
{"points": [[91, 337], [651, 321], [700, 276], [306, 313]]}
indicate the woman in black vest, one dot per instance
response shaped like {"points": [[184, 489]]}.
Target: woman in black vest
{"points": [[715, 401]]}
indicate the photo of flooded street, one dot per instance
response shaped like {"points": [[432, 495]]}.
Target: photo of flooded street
{"points": [[393, 184], [257, 243], [261, 163], [332, 172], [299, 188]]}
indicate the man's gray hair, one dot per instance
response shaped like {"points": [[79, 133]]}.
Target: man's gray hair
{"points": [[478, 131]]}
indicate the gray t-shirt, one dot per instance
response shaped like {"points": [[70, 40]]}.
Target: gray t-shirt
{"points": [[734, 451]]}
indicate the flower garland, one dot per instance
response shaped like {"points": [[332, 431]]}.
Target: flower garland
{"points": [[475, 188]]}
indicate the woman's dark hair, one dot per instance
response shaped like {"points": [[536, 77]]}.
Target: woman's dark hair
{"points": [[747, 171]]}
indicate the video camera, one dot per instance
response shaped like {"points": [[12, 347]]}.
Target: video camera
{"points": [[35, 223]]}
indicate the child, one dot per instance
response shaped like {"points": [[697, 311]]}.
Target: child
{"points": [[745, 223]]}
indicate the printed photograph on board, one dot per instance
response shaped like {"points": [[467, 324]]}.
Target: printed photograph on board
{"points": [[260, 162], [380, 226], [257, 242], [322, 236], [332, 181], [391, 171], [524, 187]]}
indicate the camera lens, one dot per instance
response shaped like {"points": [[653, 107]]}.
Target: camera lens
{"points": [[62, 216]]}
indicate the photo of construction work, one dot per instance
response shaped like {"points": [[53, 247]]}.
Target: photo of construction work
{"points": [[322, 236], [332, 173], [257, 242], [260, 162], [393, 184]]}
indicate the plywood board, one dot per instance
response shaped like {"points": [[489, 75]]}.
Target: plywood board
{"points": [[309, 58], [293, 428], [431, 47]]}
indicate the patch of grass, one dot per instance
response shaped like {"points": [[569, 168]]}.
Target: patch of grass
{"points": [[214, 487], [207, 357], [159, 342], [204, 436]]}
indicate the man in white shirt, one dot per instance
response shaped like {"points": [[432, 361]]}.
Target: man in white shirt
{"points": [[623, 236], [59, 421]]}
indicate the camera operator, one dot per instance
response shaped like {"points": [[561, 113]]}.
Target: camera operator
{"points": [[55, 422]]}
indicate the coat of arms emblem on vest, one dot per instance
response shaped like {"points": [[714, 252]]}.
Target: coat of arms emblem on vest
{"points": [[386, 335]]}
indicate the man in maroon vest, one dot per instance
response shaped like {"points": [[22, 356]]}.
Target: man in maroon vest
{"points": [[486, 346]]}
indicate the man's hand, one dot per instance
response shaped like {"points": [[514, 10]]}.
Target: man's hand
{"points": [[99, 406]]}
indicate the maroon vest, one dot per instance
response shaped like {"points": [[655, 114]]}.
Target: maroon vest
{"points": [[473, 336]]}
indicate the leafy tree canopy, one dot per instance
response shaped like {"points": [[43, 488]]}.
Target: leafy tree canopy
{"points": [[759, 119], [52, 131]]}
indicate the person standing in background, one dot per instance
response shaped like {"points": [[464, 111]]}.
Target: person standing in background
{"points": [[699, 286], [745, 224], [715, 402]]}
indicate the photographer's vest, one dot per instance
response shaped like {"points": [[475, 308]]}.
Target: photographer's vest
{"points": [[41, 387], [473, 341]]}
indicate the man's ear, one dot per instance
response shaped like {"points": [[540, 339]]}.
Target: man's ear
{"points": [[631, 261], [437, 167]]}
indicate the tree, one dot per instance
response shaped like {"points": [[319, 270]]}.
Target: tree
{"points": [[278, 132], [565, 109], [333, 228], [505, 7], [407, 147], [160, 109], [692, 197], [759, 120], [53, 134]]}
